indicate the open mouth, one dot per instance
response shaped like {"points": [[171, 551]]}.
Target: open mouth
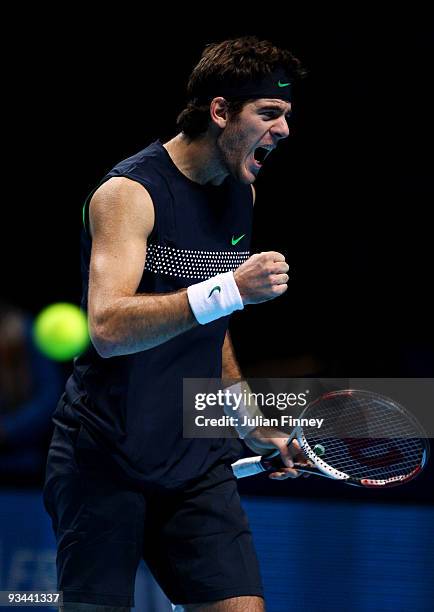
{"points": [[260, 154]]}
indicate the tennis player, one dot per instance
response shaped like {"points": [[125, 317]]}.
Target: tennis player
{"points": [[165, 261]]}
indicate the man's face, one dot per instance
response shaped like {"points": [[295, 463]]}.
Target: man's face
{"points": [[249, 137]]}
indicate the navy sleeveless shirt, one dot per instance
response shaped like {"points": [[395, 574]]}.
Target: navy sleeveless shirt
{"points": [[131, 405]]}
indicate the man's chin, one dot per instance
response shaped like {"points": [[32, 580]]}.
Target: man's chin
{"points": [[248, 181], [244, 175], [252, 178], [247, 177]]}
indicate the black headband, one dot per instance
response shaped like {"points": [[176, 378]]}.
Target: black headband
{"points": [[277, 84]]}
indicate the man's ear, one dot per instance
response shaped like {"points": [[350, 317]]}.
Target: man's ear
{"points": [[219, 112]]}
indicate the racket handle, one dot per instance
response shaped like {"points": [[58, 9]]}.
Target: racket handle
{"points": [[256, 465], [248, 467]]}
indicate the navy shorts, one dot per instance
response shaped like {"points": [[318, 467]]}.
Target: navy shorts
{"points": [[196, 542]]}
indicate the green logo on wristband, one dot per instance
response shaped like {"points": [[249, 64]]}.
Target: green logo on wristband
{"points": [[217, 288]]}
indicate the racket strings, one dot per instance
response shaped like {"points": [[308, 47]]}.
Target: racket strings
{"points": [[355, 417], [365, 437], [370, 462]]}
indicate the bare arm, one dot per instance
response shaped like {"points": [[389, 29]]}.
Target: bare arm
{"points": [[230, 366], [120, 321], [262, 439]]}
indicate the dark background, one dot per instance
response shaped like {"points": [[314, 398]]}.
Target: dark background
{"points": [[347, 197]]}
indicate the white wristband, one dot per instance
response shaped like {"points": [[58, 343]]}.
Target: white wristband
{"points": [[214, 298], [240, 408]]}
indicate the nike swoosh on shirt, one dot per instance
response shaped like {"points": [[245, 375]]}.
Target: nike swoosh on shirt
{"points": [[236, 240]]}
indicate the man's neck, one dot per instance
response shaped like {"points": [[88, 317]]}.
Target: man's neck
{"points": [[197, 159]]}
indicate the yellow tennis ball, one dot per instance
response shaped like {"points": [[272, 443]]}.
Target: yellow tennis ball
{"points": [[60, 331]]}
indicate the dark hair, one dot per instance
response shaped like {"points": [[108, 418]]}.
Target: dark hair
{"points": [[235, 61]]}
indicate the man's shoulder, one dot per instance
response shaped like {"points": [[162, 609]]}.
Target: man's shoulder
{"points": [[147, 167], [118, 187], [142, 159]]}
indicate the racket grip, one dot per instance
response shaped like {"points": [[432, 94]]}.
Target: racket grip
{"points": [[256, 465], [248, 467]]}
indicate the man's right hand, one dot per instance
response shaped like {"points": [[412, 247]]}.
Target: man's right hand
{"points": [[262, 277]]}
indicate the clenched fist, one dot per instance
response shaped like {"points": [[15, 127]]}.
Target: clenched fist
{"points": [[262, 277]]}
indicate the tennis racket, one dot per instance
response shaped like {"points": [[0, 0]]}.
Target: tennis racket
{"points": [[366, 440]]}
